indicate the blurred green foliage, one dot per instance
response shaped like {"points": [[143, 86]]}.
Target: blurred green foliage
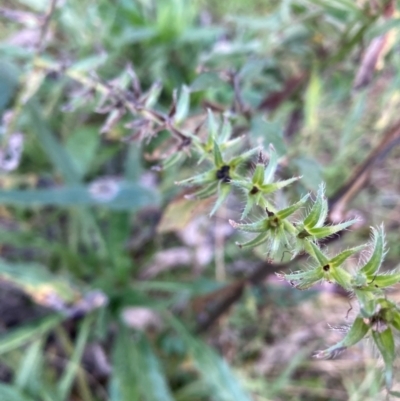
{"points": [[80, 213]]}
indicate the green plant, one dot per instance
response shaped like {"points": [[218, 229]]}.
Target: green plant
{"points": [[91, 232], [378, 317]]}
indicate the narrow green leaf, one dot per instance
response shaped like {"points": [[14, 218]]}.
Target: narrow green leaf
{"points": [[236, 161], [24, 334], [125, 382], [385, 343], [224, 191], [258, 175], [128, 196], [170, 161], [268, 188], [9, 77], [218, 160], [310, 170], [314, 251], [342, 256], [303, 280], [284, 213], [256, 227], [244, 184], [212, 127], [204, 193], [54, 150], [225, 134], [213, 369], [153, 94], [272, 165], [200, 179], [153, 382], [385, 280], [182, 108], [396, 320], [357, 332], [81, 146], [317, 211], [341, 277], [30, 367], [207, 80], [251, 201], [367, 302], [11, 393], [68, 377], [258, 240], [312, 101], [133, 166], [327, 231], [375, 261]]}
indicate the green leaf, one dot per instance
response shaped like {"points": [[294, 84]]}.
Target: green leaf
{"points": [[327, 231], [130, 196], [396, 319], [341, 277], [204, 193], [223, 192], [18, 337], [385, 280], [30, 369], [218, 160], [54, 150], [303, 280], [312, 102], [258, 240], [182, 108], [152, 377], [357, 332], [314, 251], [9, 74], [272, 165], [225, 134], [268, 132], [258, 175], [207, 80], [342, 256], [124, 384], [11, 393], [367, 302], [311, 172], [68, 377], [212, 127], [284, 213], [37, 5], [214, 370], [236, 161], [381, 29], [137, 372], [385, 343], [256, 227], [318, 212], [133, 166], [375, 261], [269, 188], [91, 63], [81, 146], [200, 179]]}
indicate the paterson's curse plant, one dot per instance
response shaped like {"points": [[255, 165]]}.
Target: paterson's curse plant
{"points": [[281, 230]]}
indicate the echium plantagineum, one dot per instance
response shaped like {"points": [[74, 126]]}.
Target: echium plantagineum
{"points": [[282, 228]]}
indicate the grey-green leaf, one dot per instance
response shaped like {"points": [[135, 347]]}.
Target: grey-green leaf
{"points": [[128, 196]]}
